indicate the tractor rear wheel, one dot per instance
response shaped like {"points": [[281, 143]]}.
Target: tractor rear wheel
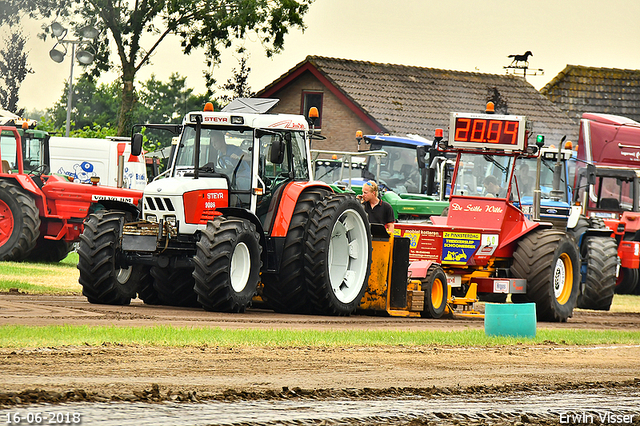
{"points": [[227, 265], [337, 255], [627, 281], [103, 280], [286, 292], [19, 222], [549, 260], [174, 287], [601, 254], [49, 250], [436, 292]]}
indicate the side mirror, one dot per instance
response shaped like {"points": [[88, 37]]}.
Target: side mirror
{"points": [[276, 156], [591, 174], [421, 153], [136, 144]]}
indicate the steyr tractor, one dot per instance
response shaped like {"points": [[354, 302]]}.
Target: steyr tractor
{"points": [[42, 214], [235, 218]]}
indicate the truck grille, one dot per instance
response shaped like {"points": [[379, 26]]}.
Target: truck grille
{"points": [[158, 204]]}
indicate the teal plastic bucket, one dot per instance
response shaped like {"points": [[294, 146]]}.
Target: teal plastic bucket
{"points": [[510, 319]]}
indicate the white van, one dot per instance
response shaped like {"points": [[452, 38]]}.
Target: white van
{"points": [[82, 158]]}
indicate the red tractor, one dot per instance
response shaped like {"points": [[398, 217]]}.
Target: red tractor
{"points": [[607, 184], [42, 214], [486, 244]]}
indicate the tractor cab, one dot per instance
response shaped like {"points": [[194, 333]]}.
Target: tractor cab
{"points": [[34, 150]]}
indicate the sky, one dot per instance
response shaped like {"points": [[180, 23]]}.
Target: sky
{"points": [[461, 35]]}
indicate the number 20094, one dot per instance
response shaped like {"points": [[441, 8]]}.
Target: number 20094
{"points": [[482, 130]]}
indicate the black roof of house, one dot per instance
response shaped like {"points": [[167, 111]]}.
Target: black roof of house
{"points": [[401, 99], [579, 89]]}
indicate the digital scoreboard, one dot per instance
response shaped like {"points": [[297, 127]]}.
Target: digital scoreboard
{"points": [[487, 131]]}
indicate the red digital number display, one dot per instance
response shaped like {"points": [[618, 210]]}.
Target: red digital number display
{"points": [[484, 130]]}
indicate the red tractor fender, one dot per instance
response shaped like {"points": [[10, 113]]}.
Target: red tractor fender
{"points": [[288, 202], [419, 268]]}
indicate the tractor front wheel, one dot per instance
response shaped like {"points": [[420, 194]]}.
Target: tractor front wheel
{"points": [[103, 280], [435, 292], [227, 265], [337, 255], [550, 262], [19, 222], [601, 255]]}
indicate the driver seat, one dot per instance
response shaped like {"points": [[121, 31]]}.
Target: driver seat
{"points": [[5, 167]]}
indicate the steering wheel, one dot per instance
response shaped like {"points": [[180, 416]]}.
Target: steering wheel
{"points": [[42, 169], [226, 162]]}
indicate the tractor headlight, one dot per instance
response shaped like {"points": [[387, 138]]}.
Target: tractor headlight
{"points": [[152, 218]]}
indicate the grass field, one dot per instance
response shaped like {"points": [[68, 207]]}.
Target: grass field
{"points": [[50, 336], [41, 278]]}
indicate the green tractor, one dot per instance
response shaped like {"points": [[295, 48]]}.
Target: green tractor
{"points": [[398, 165]]}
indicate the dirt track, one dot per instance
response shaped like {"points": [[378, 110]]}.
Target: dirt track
{"points": [[130, 372]]}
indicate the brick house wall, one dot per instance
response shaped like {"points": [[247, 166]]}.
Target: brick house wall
{"points": [[339, 123]]}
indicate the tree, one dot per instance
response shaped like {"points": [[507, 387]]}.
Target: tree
{"points": [[238, 84], [209, 24], [167, 102], [13, 71], [90, 105]]}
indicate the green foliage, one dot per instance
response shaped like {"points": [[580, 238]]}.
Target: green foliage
{"points": [[212, 25], [91, 105], [94, 131], [160, 102], [238, 85], [55, 336]]}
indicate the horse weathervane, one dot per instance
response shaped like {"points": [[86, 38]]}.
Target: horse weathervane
{"points": [[520, 64]]}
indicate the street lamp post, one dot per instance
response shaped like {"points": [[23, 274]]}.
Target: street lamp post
{"points": [[83, 56]]}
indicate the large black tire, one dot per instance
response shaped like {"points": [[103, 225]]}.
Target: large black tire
{"points": [[337, 255], [286, 291], [49, 250], [436, 293], [19, 222], [174, 287], [601, 256], [581, 227], [102, 279], [627, 281], [146, 292], [227, 265], [549, 260], [597, 223]]}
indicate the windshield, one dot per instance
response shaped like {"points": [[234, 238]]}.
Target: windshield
{"points": [[398, 170], [526, 177], [216, 146], [609, 193], [483, 175], [31, 151], [294, 164]]}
